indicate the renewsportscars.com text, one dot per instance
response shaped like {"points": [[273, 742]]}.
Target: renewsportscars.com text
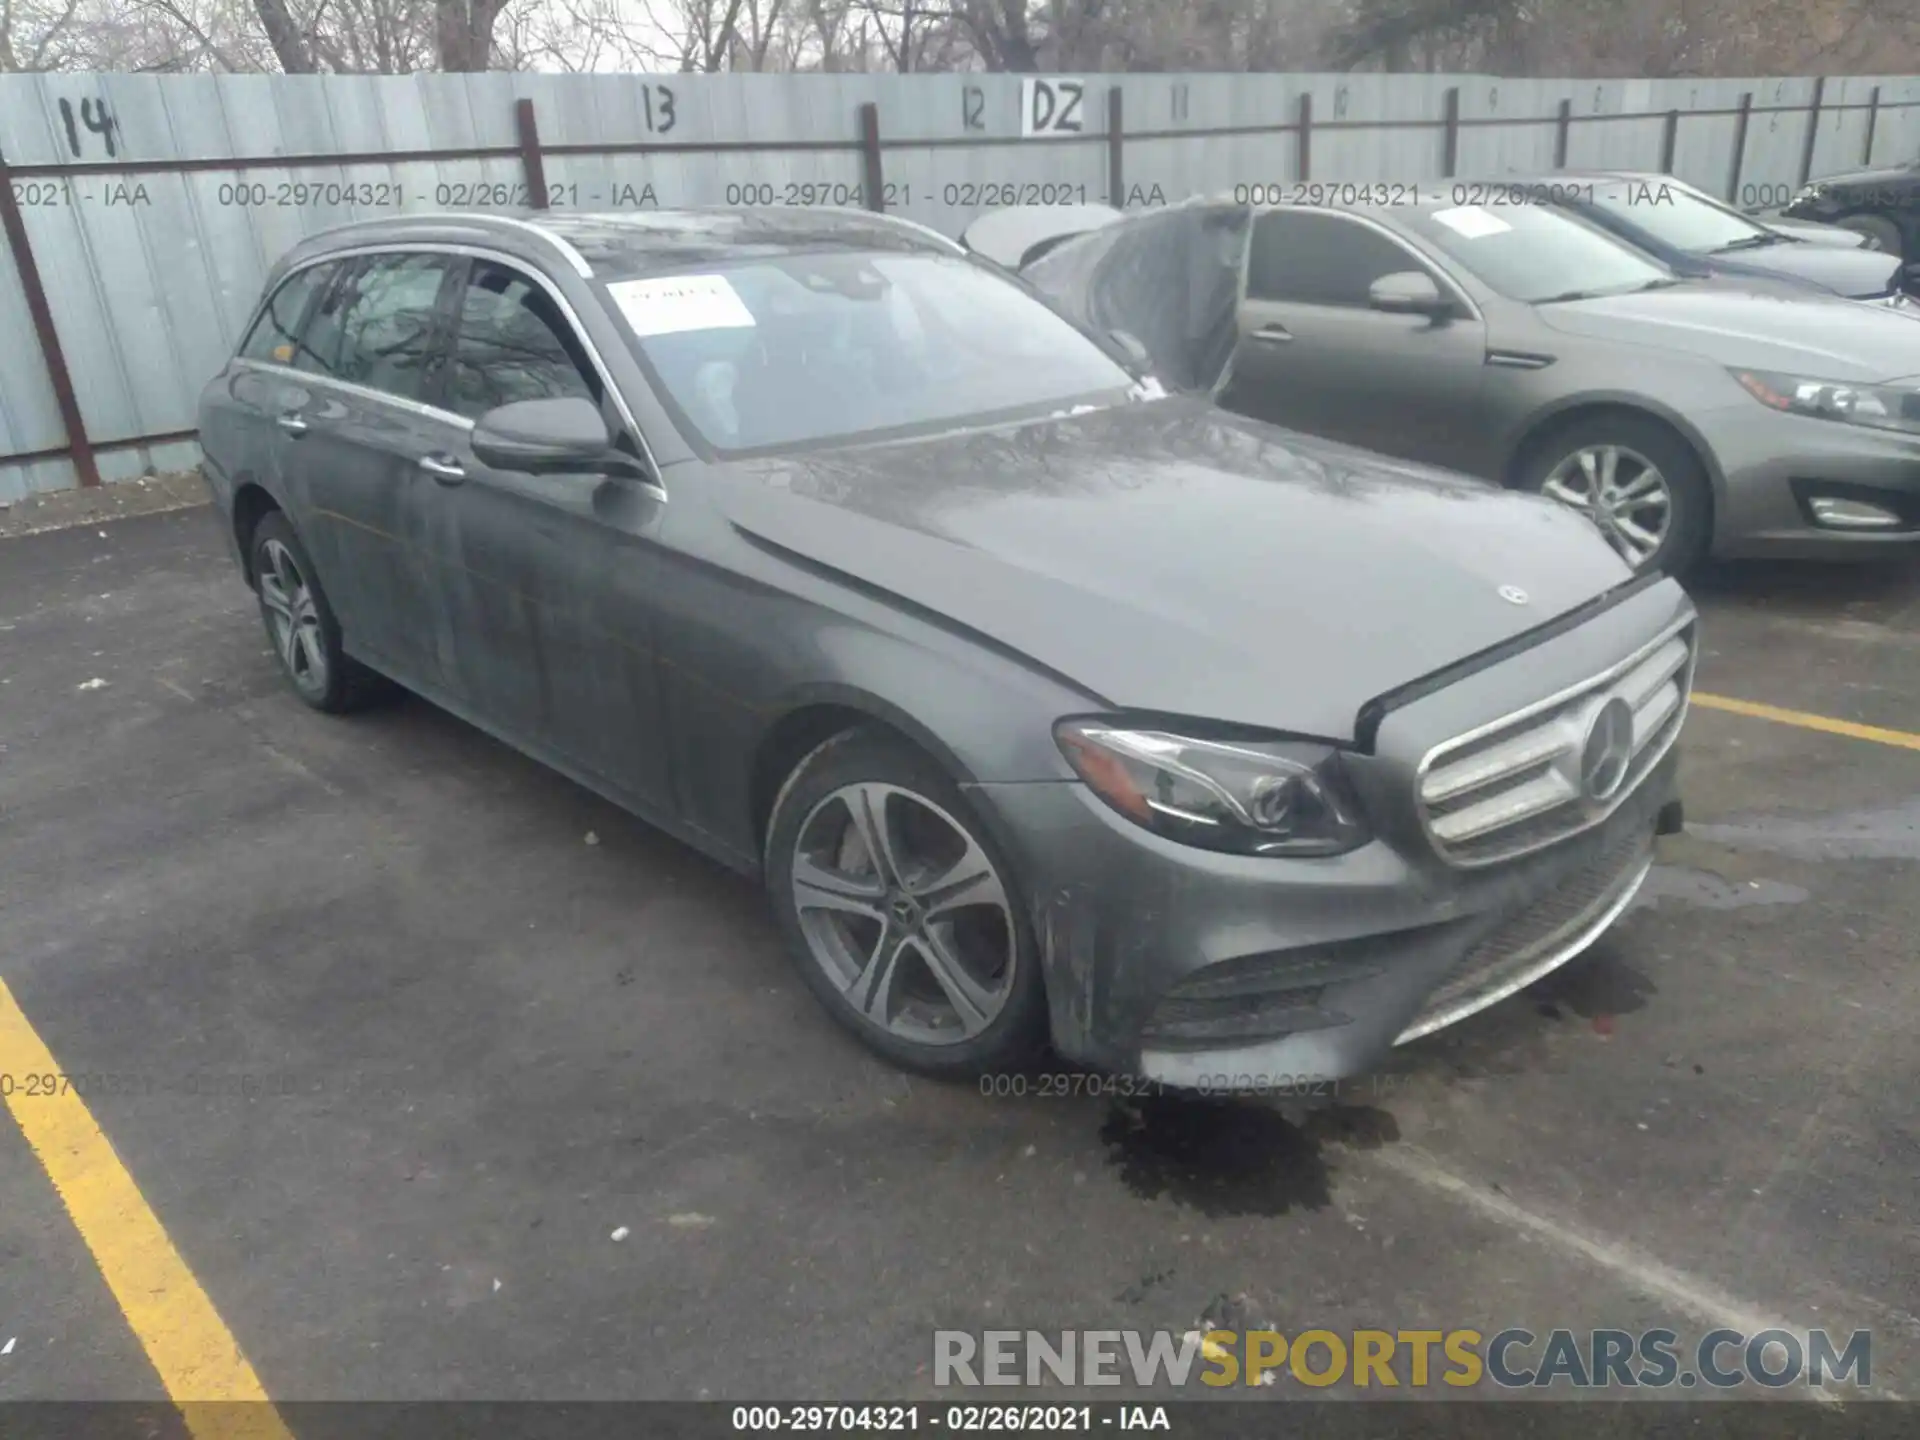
{"points": [[1513, 1358]]}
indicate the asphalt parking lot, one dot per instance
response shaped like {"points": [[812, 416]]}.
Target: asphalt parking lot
{"points": [[406, 1029]]}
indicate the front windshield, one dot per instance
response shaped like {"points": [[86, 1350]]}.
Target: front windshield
{"points": [[1675, 215], [1534, 252], [805, 349]]}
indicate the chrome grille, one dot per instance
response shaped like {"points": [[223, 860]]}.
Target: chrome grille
{"points": [[1540, 938], [1523, 782]]}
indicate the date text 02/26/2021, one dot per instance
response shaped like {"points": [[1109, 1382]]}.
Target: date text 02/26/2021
{"points": [[953, 1419]]}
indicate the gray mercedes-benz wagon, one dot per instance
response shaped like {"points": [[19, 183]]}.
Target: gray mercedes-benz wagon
{"points": [[1042, 702]]}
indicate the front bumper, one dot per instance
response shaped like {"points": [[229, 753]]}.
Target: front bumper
{"points": [[1774, 469], [1159, 956]]}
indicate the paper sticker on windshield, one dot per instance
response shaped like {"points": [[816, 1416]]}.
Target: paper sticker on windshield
{"points": [[671, 304], [1471, 221]]}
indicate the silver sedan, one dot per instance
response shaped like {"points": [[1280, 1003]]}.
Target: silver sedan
{"points": [[1481, 329]]}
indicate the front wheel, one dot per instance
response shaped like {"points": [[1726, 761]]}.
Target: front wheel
{"points": [[904, 918], [1640, 484]]}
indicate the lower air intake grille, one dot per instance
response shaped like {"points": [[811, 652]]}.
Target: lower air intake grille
{"points": [[1540, 938]]}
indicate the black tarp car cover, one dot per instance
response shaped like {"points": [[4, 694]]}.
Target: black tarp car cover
{"points": [[1169, 278]]}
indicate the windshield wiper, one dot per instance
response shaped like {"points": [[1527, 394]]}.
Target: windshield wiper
{"points": [[1660, 282], [1750, 242]]}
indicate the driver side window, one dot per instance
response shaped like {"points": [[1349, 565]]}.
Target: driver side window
{"points": [[511, 342], [1318, 258]]}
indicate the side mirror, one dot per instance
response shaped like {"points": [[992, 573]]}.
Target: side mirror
{"points": [[1130, 346], [547, 437], [1408, 292]]}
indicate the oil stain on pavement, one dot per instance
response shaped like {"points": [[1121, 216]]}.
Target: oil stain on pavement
{"points": [[1225, 1158]]}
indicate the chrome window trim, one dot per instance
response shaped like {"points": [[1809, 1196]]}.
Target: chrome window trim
{"points": [[474, 252], [358, 391], [1595, 816]]}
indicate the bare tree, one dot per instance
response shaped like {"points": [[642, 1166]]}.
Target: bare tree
{"points": [[35, 35]]}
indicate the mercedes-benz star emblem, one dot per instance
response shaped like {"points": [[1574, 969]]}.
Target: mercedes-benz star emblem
{"points": [[1513, 595], [1607, 751]]}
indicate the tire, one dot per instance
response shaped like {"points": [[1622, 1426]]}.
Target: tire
{"points": [[1552, 466], [301, 626], [867, 938], [1881, 233]]}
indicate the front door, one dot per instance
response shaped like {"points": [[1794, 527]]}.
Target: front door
{"points": [[354, 425], [547, 579], [1316, 357]]}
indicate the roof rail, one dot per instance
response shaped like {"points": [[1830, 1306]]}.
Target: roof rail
{"points": [[572, 256], [899, 222]]}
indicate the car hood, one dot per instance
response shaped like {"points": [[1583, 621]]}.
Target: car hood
{"points": [[1169, 556], [1859, 273], [1880, 176], [1806, 333], [1005, 236], [1836, 237]]}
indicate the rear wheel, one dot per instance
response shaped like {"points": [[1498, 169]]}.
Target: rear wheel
{"points": [[900, 911], [301, 624], [1640, 484]]}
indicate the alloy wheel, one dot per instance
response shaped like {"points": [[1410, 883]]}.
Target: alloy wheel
{"points": [[905, 913], [1622, 492], [293, 618]]}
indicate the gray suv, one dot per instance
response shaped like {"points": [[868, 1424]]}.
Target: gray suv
{"points": [[1041, 703]]}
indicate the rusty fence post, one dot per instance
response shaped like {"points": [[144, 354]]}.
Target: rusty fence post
{"points": [[531, 159], [79, 447], [1813, 131], [1740, 119], [1873, 117], [1560, 131], [1450, 145], [1306, 136], [1669, 141], [873, 174], [1116, 148]]}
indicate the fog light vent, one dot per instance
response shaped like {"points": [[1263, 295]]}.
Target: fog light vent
{"points": [[1834, 513]]}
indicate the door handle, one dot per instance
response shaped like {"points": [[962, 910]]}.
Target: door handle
{"points": [[1272, 335], [443, 468], [292, 423]]}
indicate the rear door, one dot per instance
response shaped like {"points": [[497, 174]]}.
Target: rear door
{"points": [[1315, 356], [239, 411], [548, 579], [366, 368]]}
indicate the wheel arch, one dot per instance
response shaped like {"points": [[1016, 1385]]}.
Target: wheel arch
{"points": [[1575, 409], [809, 718], [252, 502]]}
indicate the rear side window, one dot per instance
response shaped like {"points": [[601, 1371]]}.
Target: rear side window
{"points": [[275, 337], [1313, 258], [376, 325], [512, 343]]}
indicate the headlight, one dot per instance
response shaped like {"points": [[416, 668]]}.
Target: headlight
{"points": [[1879, 406], [1251, 797]]}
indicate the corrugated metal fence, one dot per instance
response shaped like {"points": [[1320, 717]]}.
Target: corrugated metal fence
{"points": [[142, 211]]}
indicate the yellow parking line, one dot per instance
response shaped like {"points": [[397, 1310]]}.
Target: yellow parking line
{"points": [[198, 1360], [1904, 739]]}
